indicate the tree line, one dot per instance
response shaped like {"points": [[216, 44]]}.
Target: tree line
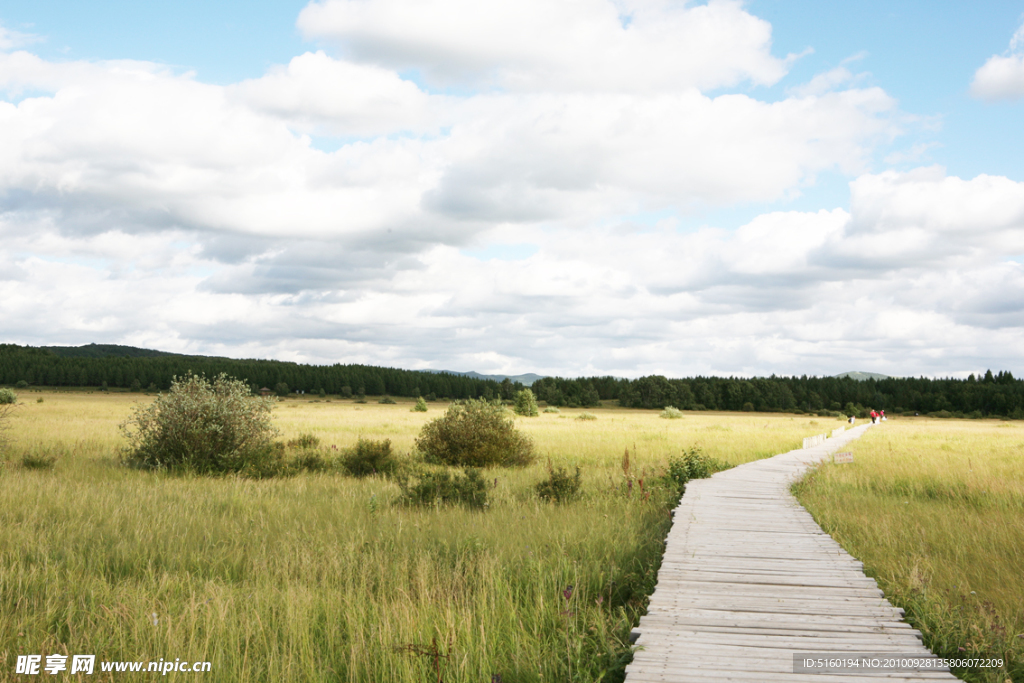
{"points": [[985, 396], [988, 395], [43, 367]]}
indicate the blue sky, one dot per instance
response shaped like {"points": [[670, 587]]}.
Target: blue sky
{"points": [[740, 188]]}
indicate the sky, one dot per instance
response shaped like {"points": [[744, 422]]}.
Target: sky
{"points": [[567, 187]]}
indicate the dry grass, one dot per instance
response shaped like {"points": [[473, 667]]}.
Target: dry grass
{"points": [[935, 509], [319, 577]]}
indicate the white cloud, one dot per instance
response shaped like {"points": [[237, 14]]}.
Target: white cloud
{"points": [[139, 205], [11, 40], [1002, 76], [634, 46]]}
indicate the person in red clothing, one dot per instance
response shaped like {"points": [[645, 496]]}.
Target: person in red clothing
{"points": [[874, 417], [881, 416]]}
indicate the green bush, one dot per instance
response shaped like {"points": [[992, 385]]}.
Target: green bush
{"points": [[474, 434], [305, 441], [8, 397], [421, 405], [34, 461], [526, 403], [203, 426], [692, 464], [671, 413], [21, 384], [370, 457], [586, 416], [386, 400], [552, 409], [443, 488], [560, 486], [281, 389]]}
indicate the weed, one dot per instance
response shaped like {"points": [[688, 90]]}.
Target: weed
{"points": [[370, 457], [37, 461], [444, 488], [586, 416], [560, 486], [671, 413]]}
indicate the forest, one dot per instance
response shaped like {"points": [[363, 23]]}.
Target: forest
{"points": [[988, 395]]}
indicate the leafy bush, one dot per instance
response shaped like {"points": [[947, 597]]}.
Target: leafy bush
{"points": [[386, 400], [311, 460], [671, 413], [204, 427], [474, 434], [370, 457], [421, 405], [560, 486], [552, 409], [35, 461], [526, 403], [346, 392], [586, 416], [8, 397], [281, 389], [21, 384], [442, 488], [693, 464]]}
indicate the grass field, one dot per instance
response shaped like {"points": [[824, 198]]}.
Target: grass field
{"points": [[319, 577], [935, 510]]}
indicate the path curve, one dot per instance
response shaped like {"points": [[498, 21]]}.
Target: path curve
{"points": [[749, 579]]}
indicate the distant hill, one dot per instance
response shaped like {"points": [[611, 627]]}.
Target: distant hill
{"points": [[861, 376], [105, 351], [527, 380]]}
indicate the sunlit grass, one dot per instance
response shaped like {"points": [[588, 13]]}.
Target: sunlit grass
{"points": [[935, 509], [320, 577]]}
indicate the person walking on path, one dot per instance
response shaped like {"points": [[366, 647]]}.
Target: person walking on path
{"points": [[874, 416]]}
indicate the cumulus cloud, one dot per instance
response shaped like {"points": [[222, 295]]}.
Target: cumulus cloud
{"points": [[1002, 76], [140, 205], [630, 45]]}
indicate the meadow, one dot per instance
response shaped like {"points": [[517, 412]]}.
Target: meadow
{"points": [[935, 510], [320, 577]]}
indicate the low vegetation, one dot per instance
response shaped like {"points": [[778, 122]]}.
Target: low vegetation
{"points": [[445, 488], [475, 434], [202, 426], [934, 509], [325, 576], [369, 457], [560, 486]]}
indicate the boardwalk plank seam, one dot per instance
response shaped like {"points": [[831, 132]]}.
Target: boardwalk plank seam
{"points": [[748, 579]]}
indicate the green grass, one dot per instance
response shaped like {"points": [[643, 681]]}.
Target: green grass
{"points": [[320, 577], [935, 510]]}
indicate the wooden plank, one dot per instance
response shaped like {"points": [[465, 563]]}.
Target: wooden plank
{"points": [[748, 579]]}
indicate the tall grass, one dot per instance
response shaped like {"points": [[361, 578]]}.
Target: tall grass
{"points": [[935, 510], [320, 577]]}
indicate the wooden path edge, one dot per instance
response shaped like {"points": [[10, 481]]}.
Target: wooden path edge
{"points": [[752, 590]]}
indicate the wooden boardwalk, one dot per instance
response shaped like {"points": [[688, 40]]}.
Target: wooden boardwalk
{"points": [[749, 579]]}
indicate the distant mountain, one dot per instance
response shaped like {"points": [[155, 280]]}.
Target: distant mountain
{"points": [[527, 380], [105, 351], [861, 376]]}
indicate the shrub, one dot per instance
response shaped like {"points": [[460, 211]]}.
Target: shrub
{"points": [[693, 464], [387, 400], [671, 413], [203, 426], [305, 441], [559, 487], [526, 403], [552, 409], [442, 488], [346, 392], [8, 397], [586, 416], [281, 389], [370, 457], [431, 396], [421, 405], [22, 384], [311, 460], [33, 461], [474, 434]]}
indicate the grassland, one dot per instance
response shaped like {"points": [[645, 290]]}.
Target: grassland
{"points": [[935, 510], [319, 577]]}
